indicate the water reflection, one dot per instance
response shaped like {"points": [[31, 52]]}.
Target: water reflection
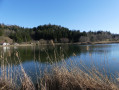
{"points": [[33, 58], [52, 54], [41, 53], [6, 48]]}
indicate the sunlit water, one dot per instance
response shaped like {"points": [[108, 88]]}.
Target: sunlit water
{"points": [[36, 59]]}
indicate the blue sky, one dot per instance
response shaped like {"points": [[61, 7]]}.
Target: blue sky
{"points": [[83, 15]]}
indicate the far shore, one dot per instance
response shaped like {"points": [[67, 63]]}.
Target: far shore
{"points": [[16, 45], [78, 43], [98, 42]]}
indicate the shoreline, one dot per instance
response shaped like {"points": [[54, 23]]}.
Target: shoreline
{"points": [[100, 42], [78, 43]]}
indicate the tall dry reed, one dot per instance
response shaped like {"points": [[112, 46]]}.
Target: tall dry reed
{"points": [[60, 77]]}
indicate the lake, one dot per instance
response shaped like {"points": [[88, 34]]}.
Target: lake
{"points": [[36, 59]]}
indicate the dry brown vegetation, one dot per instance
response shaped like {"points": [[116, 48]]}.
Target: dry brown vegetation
{"points": [[61, 78], [76, 79]]}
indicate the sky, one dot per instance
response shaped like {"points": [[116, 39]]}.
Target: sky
{"points": [[83, 15]]}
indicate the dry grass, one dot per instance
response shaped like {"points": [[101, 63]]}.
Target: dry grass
{"points": [[76, 79], [61, 78], [7, 78], [6, 85], [26, 82]]}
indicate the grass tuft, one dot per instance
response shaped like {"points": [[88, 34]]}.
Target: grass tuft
{"points": [[63, 79]]}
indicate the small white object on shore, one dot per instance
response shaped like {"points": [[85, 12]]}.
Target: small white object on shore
{"points": [[5, 44]]}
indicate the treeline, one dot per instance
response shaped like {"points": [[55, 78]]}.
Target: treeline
{"points": [[54, 32]]}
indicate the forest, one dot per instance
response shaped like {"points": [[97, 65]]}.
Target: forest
{"points": [[56, 33]]}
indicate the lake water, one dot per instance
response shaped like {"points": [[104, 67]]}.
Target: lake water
{"points": [[35, 59]]}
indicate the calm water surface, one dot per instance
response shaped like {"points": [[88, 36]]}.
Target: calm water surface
{"points": [[35, 59]]}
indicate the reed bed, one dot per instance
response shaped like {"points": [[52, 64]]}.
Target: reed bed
{"points": [[59, 78], [76, 79]]}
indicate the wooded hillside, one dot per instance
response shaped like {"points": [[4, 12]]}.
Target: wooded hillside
{"points": [[56, 33]]}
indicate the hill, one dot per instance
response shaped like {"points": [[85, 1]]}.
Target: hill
{"points": [[56, 33]]}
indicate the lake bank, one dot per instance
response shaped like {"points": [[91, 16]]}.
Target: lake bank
{"points": [[17, 45], [100, 42], [79, 43]]}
